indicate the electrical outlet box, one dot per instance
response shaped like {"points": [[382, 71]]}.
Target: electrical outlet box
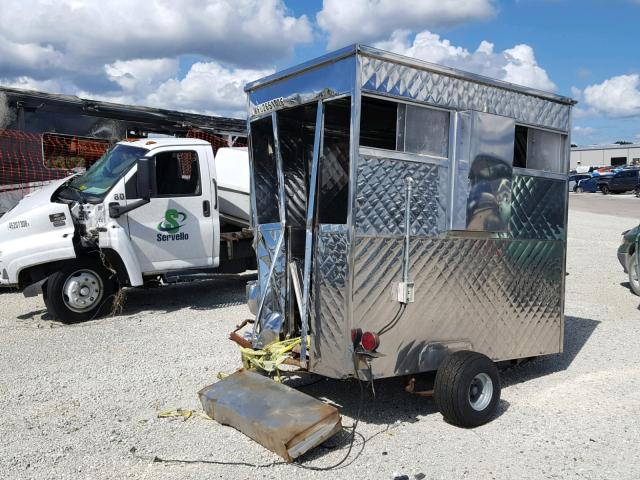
{"points": [[406, 292]]}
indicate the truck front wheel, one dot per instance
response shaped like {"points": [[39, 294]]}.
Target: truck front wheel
{"points": [[80, 291]]}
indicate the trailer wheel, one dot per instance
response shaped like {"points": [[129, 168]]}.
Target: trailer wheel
{"points": [[79, 291], [467, 389], [634, 279]]}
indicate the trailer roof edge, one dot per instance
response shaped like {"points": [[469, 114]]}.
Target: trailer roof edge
{"points": [[407, 61]]}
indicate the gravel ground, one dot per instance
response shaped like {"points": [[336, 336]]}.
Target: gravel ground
{"points": [[81, 401]]}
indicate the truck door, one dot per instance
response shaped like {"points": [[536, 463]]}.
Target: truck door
{"points": [[176, 229]]}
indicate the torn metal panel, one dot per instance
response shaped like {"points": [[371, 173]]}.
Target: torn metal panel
{"points": [[283, 420]]}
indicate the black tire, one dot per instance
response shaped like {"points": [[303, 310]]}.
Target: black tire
{"points": [[634, 280], [453, 394], [605, 189], [58, 303], [579, 190], [637, 192]]}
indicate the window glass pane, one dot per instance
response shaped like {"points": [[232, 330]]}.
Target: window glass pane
{"points": [[265, 171], [177, 173], [333, 181], [520, 147], [545, 150], [378, 123], [296, 133], [426, 131]]}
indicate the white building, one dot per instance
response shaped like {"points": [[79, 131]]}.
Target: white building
{"points": [[601, 155]]}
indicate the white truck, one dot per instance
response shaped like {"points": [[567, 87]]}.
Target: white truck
{"points": [[149, 210]]}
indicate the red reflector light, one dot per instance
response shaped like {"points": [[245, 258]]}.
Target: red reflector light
{"points": [[370, 341]]}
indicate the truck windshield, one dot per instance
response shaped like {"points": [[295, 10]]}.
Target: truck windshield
{"points": [[103, 174]]}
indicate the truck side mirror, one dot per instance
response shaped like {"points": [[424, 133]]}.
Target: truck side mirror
{"points": [[143, 179]]}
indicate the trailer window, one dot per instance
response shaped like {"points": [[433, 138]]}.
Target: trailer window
{"points": [[265, 171], [296, 134], [539, 150], [404, 128], [333, 181], [177, 174], [378, 123], [424, 130]]}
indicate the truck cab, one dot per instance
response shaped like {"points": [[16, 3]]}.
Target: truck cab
{"points": [[147, 210]]}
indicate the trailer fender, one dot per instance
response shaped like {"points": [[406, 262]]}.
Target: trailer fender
{"points": [[116, 238]]}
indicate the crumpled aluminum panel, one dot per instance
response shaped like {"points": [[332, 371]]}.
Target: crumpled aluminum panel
{"points": [[380, 200], [499, 297], [537, 208], [438, 89], [280, 418], [329, 354], [267, 238]]}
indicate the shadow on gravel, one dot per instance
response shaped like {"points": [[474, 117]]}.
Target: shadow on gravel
{"points": [[392, 405], [197, 295], [577, 332], [30, 315]]}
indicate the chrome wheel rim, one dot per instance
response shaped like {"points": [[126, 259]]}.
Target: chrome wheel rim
{"points": [[82, 290], [480, 392]]}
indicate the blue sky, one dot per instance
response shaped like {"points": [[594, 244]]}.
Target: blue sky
{"points": [[195, 55]]}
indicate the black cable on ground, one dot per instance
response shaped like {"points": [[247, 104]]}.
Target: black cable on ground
{"points": [[353, 428]]}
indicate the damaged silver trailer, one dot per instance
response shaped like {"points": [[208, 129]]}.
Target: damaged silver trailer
{"points": [[409, 218]]}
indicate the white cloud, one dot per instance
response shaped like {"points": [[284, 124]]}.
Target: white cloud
{"points": [[70, 35], [138, 76], [373, 20], [516, 65], [584, 131], [113, 50], [208, 87], [617, 96]]}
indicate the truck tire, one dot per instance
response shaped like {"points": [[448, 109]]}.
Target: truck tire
{"points": [[467, 389], [79, 291], [634, 279], [605, 189]]}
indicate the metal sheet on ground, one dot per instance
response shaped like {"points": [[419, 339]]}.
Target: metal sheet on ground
{"points": [[284, 420]]}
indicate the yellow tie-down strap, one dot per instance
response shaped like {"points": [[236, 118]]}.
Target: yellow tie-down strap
{"points": [[270, 358]]}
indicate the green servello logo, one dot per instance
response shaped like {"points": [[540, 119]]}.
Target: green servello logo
{"points": [[172, 222]]}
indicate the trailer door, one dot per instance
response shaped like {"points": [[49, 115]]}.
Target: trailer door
{"points": [[176, 229]]}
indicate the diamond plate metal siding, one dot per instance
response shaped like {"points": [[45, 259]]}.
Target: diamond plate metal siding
{"points": [[502, 297], [295, 191], [380, 197], [537, 208], [329, 354], [451, 92]]}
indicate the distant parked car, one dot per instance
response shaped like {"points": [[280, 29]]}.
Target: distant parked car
{"points": [[574, 179], [590, 185], [622, 181], [628, 257]]}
